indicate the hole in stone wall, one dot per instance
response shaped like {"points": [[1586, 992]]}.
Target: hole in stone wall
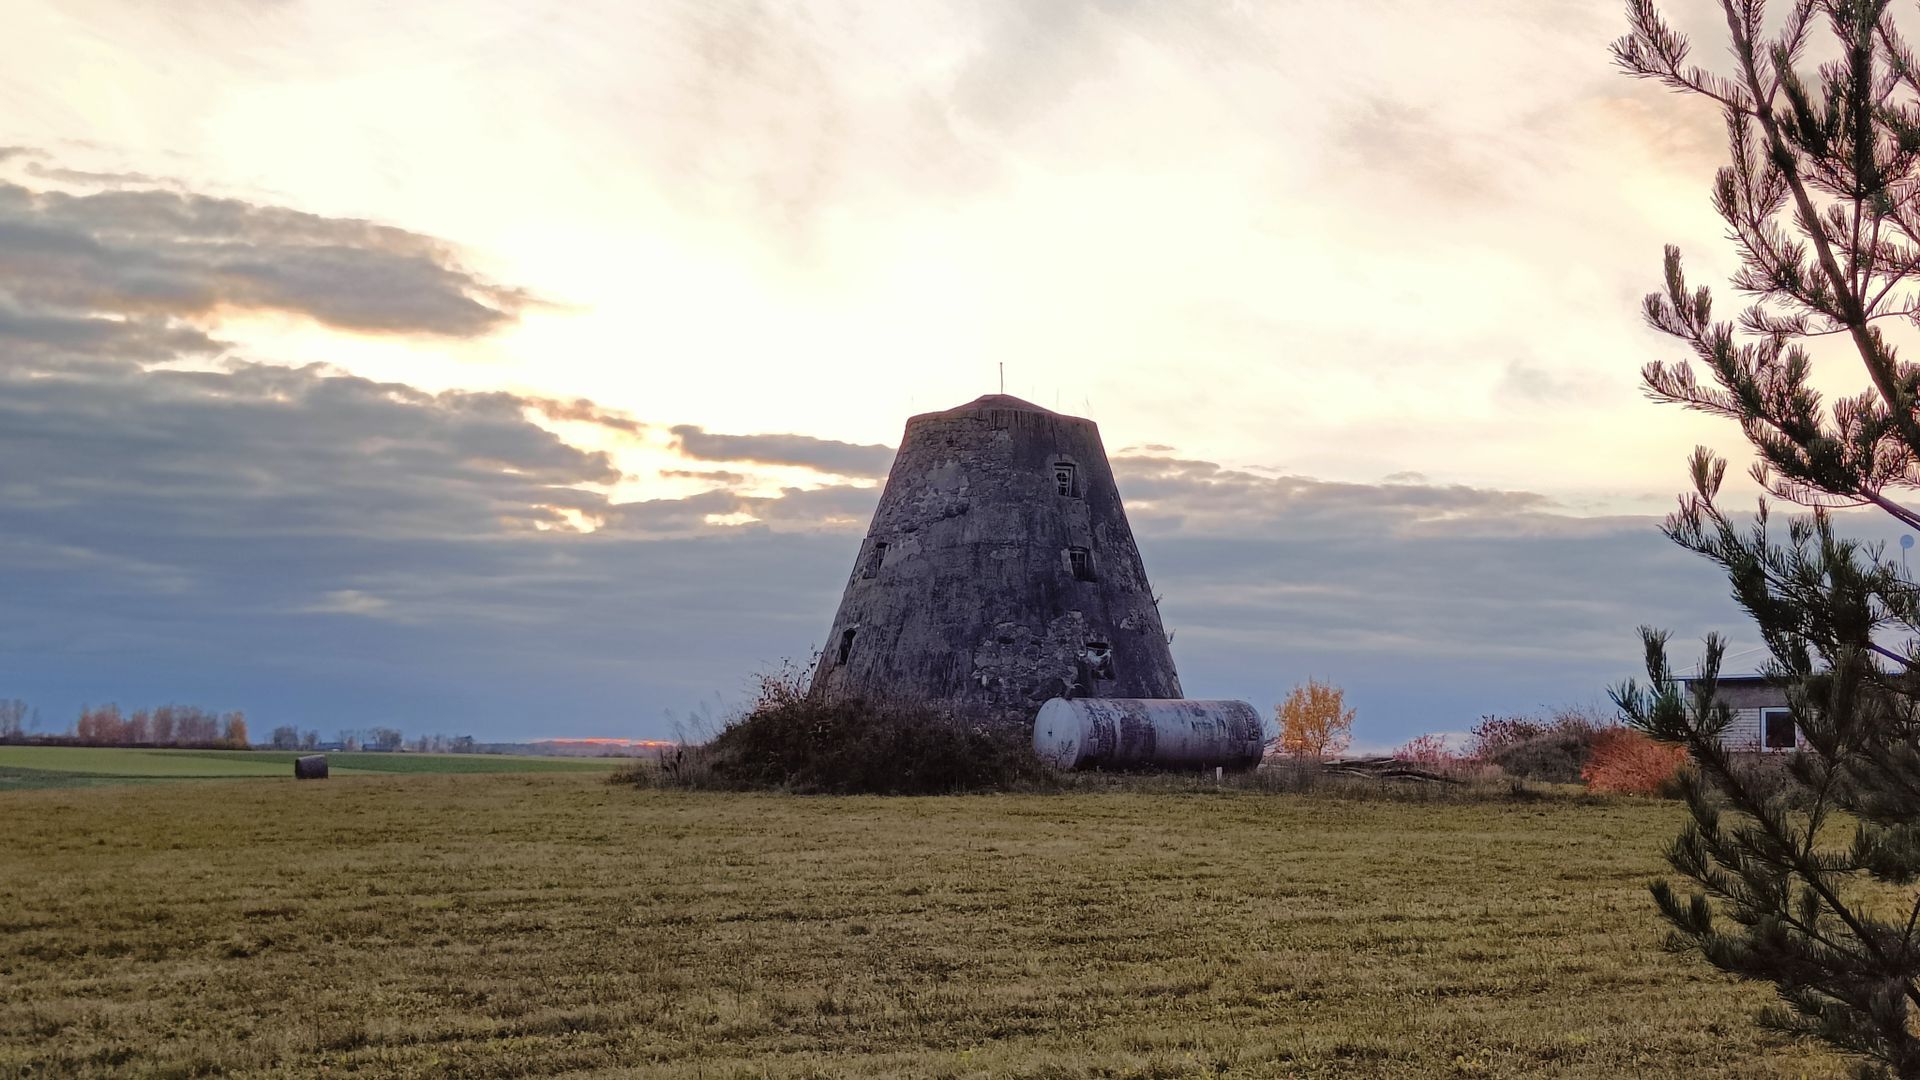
{"points": [[875, 558], [846, 646], [1067, 479], [1100, 660], [1081, 562]]}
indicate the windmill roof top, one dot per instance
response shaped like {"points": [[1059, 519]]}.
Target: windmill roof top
{"points": [[1006, 403], [999, 401]]}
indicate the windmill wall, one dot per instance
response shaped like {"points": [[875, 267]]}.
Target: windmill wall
{"points": [[999, 572]]}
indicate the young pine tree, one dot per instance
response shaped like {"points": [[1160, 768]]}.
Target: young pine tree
{"points": [[1810, 889]]}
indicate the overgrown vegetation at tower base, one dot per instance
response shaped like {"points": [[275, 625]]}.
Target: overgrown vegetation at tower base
{"points": [[791, 740]]}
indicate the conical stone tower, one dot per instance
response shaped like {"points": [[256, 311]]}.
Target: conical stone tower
{"points": [[998, 572]]}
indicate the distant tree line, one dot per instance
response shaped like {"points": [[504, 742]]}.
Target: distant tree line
{"points": [[16, 718], [191, 725], [379, 738], [107, 725], [166, 725]]}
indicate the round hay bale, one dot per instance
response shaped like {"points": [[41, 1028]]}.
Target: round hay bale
{"points": [[310, 767]]}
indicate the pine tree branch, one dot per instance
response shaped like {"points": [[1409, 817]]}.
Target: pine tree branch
{"points": [[1866, 342]]}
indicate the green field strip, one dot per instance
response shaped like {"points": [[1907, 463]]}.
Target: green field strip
{"points": [[99, 763]]}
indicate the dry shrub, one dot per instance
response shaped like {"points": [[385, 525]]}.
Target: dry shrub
{"points": [[790, 740], [1628, 762], [1553, 749], [1432, 753], [1430, 750], [1774, 777], [1494, 735]]}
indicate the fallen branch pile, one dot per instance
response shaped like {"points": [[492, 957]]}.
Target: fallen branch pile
{"points": [[1386, 768]]}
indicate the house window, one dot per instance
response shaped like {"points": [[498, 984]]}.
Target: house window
{"points": [[1080, 560], [846, 646], [876, 556], [1776, 728], [1099, 660], [1066, 479]]}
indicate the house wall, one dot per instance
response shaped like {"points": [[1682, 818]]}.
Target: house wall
{"points": [[1745, 732], [1752, 696], [1748, 700]]}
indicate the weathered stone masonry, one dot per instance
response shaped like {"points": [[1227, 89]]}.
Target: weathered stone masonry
{"points": [[999, 572]]}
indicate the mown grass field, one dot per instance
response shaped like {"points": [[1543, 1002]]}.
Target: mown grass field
{"points": [[508, 925], [75, 766]]}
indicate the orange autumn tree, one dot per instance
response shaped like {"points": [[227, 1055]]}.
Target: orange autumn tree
{"points": [[1314, 721]]}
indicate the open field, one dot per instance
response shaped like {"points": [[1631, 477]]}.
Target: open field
{"points": [[508, 925], [72, 766]]}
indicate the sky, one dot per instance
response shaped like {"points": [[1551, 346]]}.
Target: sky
{"points": [[483, 368]]}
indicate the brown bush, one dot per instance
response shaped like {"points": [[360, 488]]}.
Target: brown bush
{"points": [[1431, 752], [1553, 749], [1427, 750], [790, 740], [1625, 761]]}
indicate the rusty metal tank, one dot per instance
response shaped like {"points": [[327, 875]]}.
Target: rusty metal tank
{"points": [[1148, 733]]}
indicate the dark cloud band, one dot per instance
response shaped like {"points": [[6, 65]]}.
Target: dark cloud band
{"points": [[805, 451], [149, 252]]}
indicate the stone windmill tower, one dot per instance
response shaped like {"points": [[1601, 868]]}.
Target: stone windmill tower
{"points": [[999, 572]]}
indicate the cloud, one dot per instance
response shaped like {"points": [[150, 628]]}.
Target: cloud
{"points": [[337, 551], [581, 410], [95, 178], [350, 602], [805, 451], [333, 551], [1382, 135], [1177, 495], [717, 476], [145, 253], [1535, 384]]}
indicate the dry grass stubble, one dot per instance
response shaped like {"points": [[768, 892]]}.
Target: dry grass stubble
{"points": [[517, 925]]}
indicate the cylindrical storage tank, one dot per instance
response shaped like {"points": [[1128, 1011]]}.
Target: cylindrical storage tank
{"points": [[310, 767], [1135, 733]]}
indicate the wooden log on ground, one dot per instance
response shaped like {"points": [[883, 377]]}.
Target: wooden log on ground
{"points": [[1374, 768], [1386, 768]]}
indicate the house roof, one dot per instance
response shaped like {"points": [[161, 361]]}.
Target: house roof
{"points": [[1750, 658]]}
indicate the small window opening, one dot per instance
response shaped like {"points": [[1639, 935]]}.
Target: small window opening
{"points": [[1081, 561], [1100, 659], [846, 646], [1067, 479], [875, 558], [1778, 730]]}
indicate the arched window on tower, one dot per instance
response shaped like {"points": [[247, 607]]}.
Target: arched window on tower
{"points": [[846, 647], [1080, 561], [1099, 658], [1066, 479], [876, 556]]}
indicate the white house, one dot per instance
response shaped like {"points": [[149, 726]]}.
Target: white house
{"points": [[1761, 720]]}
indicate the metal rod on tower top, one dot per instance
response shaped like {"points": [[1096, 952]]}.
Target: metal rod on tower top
{"points": [[1003, 376]]}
